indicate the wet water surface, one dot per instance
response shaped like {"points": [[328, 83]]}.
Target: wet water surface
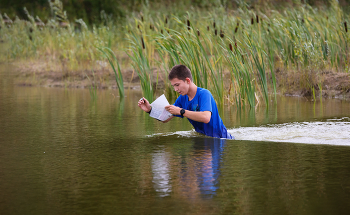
{"points": [[62, 152]]}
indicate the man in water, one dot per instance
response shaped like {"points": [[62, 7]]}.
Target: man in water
{"points": [[195, 103]]}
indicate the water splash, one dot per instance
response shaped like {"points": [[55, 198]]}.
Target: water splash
{"points": [[331, 131]]}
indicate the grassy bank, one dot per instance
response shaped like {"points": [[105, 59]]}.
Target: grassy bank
{"points": [[233, 53]]}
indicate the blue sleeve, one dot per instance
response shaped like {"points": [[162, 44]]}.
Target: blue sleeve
{"points": [[178, 102], [205, 101]]}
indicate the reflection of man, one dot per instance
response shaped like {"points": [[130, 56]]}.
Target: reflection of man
{"points": [[194, 103], [209, 164]]}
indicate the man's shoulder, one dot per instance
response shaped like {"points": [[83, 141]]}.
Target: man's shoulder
{"points": [[203, 91]]}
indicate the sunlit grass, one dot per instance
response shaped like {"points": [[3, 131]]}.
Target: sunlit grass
{"points": [[234, 54]]}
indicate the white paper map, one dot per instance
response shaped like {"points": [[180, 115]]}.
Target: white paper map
{"points": [[158, 108]]}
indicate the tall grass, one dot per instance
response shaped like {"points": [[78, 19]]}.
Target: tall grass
{"points": [[109, 54], [234, 54], [141, 64]]}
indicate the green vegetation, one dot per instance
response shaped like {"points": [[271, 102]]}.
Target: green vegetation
{"points": [[233, 53]]}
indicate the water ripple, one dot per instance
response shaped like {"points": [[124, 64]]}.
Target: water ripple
{"points": [[331, 131]]}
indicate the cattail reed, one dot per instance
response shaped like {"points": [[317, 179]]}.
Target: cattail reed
{"points": [[252, 21], [236, 44], [143, 43], [231, 48], [161, 31], [214, 25], [216, 32], [346, 27], [166, 20], [198, 33], [302, 20], [222, 34], [30, 29], [237, 27], [188, 25], [208, 28], [257, 19], [141, 18]]}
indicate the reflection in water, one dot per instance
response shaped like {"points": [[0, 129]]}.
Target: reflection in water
{"points": [[161, 176], [198, 174], [208, 163]]}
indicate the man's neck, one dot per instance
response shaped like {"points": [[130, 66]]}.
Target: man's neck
{"points": [[192, 91]]}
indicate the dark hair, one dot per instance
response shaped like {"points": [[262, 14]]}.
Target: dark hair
{"points": [[180, 72]]}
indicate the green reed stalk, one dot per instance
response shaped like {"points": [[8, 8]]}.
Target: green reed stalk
{"points": [[109, 54], [141, 64]]}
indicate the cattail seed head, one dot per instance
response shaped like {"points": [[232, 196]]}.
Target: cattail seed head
{"points": [[168, 31], [30, 29], [302, 20], [216, 32], [236, 44], [346, 26], [138, 26], [143, 43], [188, 25], [198, 33], [252, 21], [214, 25], [222, 34], [30, 37], [161, 31], [141, 18], [231, 48], [166, 20], [208, 28], [257, 19], [237, 27]]}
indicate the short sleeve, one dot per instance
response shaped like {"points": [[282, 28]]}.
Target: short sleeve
{"points": [[205, 101], [178, 102]]}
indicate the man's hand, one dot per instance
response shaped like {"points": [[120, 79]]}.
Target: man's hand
{"points": [[173, 109], [144, 104]]}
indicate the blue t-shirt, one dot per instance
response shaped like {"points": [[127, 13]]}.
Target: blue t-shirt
{"points": [[204, 101]]}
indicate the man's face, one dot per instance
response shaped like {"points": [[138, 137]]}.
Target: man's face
{"points": [[181, 86]]}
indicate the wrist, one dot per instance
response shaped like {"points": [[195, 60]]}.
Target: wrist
{"points": [[149, 112], [182, 112]]}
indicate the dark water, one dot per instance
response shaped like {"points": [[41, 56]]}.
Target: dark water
{"points": [[62, 152]]}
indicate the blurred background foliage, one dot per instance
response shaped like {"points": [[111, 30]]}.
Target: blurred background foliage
{"points": [[90, 10]]}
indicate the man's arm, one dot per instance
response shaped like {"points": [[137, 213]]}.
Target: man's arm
{"points": [[199, 116]]}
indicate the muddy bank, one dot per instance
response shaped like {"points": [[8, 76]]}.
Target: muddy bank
{"points": [[327, 84]]}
